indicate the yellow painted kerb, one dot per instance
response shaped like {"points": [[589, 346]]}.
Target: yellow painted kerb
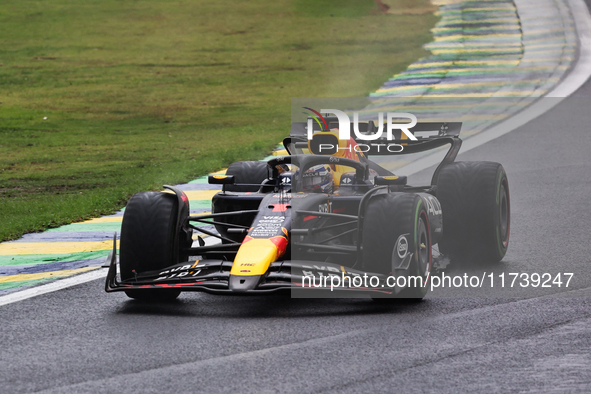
{"points": [[44, 275], [15, 248]]}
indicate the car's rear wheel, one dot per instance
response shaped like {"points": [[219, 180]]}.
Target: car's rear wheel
{"points": [[148, 240], [396, 232], [252, 173], [476, 207]]}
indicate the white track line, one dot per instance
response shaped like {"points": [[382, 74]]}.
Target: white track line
{"points": [[582, 70], [99, 273], [53, 286], [573, 81], [570, 84]]}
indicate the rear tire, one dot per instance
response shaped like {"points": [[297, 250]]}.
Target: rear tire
{"points": [[474, 198], [251, 172], [387, 219], [148, 240]]}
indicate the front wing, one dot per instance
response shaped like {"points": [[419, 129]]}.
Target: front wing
{"points": [[213, 276]]}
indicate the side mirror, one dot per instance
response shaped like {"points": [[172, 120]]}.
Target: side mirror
{"points": [[220, 179], [390, 180]]}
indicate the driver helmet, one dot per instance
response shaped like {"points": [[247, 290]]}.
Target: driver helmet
{"points": [[318, 179]]}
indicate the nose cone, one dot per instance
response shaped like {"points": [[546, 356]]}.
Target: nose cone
{"points": [[244, 283], [253, 259], [256, 254]]}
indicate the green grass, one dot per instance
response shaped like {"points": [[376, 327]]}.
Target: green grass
{"points": [[102, 99]]}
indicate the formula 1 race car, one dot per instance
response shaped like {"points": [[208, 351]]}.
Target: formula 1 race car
{"points": [[304, 220]]}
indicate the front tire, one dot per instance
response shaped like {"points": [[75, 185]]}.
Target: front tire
{"points": [[397, 225], [148, 240]]}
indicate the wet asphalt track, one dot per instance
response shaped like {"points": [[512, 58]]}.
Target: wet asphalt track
{"points": [[84, 340]]}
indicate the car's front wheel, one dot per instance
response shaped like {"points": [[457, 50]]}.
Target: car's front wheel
{"points": [[148, 240], [396, 242]]}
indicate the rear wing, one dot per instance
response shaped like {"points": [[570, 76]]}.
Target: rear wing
{"points": [[436, 129], [421, 130], [429, 135]]}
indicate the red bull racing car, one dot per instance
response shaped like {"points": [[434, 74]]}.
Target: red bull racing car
{"points": [[333, 222]]}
